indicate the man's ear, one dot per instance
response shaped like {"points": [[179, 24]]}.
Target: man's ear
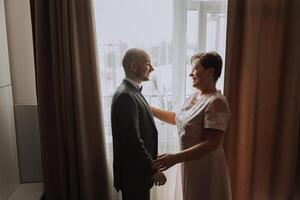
{"points": [[133, 66]]}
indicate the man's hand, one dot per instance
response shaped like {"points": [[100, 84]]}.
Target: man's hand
{"points": [[159, 178]]}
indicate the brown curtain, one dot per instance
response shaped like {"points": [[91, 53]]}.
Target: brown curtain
{"points": [[262, 86], [72, 139]]}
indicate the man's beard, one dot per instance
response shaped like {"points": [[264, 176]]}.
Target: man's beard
{"points": [[142, 77], [146, 78]]}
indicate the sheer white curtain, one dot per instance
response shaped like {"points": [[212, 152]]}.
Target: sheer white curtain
{"points": [[169, 31]]}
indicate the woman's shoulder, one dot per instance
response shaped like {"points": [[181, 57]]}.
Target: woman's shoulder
{"points": [[219, 96], [219, 103]]}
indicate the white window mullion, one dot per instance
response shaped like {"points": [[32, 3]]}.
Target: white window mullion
{"points": [[179, 53], [202, 24]]}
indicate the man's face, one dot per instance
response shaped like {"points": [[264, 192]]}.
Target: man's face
{"points": [[144, 67]]}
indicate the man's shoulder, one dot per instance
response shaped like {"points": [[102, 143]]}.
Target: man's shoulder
{"points": [[122, 90], [123, 93]]}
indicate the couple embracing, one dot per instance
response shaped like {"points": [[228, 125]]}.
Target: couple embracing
{"points": [[201, 124]]}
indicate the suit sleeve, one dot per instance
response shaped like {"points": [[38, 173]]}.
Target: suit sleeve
{"points": [[126, 122]]}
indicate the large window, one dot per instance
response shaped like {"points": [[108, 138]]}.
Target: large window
{"points": [[206, 31], [171, 31]]}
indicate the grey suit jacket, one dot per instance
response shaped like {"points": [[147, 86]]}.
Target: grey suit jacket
{"points": [[134, 139]]}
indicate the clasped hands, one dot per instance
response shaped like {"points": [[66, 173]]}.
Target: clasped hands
{"points": [[162, 163]]}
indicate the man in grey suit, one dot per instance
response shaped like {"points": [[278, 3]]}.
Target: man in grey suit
{"points": [[134, 131]]}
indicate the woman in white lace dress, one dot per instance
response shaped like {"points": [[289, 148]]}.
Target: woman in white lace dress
{"points": [[201, 124]]}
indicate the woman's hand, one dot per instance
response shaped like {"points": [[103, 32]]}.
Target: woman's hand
{"points": [[165, 161]]}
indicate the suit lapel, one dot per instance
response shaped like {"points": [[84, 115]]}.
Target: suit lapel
{"points": [[141, 98]]}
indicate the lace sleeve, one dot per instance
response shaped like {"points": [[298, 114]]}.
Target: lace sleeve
{"points": [[217, 115]]}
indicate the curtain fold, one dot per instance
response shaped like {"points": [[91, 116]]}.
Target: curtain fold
{"points": [[262, 86], [72, 136]]}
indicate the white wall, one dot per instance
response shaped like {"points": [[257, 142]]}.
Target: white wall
{"points": [[21, 57], [4, 63], [9, 171]]}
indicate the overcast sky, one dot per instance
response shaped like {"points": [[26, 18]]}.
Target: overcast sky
{"points": [[134, 21]]}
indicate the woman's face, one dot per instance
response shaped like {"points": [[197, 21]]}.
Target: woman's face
{"points": [[199, 75]]}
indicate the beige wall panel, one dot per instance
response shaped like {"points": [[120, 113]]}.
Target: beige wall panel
{"points": [[4, 60]]}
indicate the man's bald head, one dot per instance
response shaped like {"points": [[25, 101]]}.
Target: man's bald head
{"points": [[132, 55]]}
